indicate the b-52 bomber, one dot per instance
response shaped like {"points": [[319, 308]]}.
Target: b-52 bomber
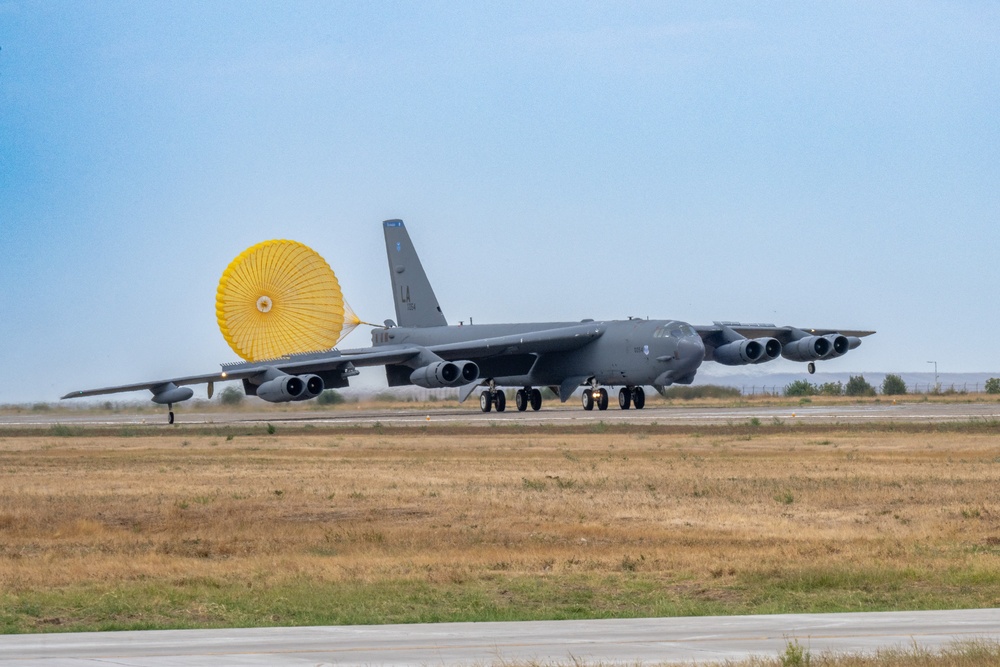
{"points": [[420, 348]]}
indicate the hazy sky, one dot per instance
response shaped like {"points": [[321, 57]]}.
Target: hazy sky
{"points": [[815, 164]]}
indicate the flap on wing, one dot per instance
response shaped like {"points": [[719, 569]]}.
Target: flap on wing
{"points": [[535, 342]]}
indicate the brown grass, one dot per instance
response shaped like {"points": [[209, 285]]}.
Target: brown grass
{"points": [[405, 502], [700, 511]]}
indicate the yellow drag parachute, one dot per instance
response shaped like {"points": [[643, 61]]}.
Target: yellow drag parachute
{"points": [[281, 297]]}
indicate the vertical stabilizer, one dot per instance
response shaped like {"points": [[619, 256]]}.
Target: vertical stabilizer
{"points": [[416, 305]]}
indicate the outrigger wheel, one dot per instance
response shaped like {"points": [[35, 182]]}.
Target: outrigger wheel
{"points": [[281, 297]]}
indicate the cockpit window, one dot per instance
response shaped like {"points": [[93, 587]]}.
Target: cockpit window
{"points": [[674, 330]]}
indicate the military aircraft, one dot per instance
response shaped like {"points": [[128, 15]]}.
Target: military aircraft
{"points": [[421, 348]]}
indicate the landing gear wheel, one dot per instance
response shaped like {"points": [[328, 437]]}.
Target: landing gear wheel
{"points": [[536, 400], [588, 399], [639, 398], [170, 417], [501, 401], [624, 398], [602, 401], [521, 400], [811, 368], [485, 402]]}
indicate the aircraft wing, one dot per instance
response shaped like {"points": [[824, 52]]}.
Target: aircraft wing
{"points": [[783, 334], [535, 342], [303, 363]]}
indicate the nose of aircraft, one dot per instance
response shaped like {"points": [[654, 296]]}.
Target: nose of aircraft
{"points": [[687, 358], [690, 353]]}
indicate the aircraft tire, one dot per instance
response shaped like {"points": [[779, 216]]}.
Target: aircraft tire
{"points": [[536, 400], [588, 399], [521, 400], [501, 401], [624, 398], [811, 368], [485, 403], [170, 417], [639, 398], [602, 402]]}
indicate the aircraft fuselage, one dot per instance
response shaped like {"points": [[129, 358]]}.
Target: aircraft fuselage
{"points": [[628, 353]]}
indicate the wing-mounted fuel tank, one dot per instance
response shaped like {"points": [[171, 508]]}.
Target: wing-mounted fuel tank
{"points": [[168, 393]]}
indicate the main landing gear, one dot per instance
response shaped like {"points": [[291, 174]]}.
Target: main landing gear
{"points": [[632, 396], [627, 397], [528, 396], [491, 398], [594, 396]]}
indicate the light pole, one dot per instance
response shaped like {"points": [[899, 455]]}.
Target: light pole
{"points": [[937, 386]]}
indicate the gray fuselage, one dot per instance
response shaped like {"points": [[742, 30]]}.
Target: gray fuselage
{"points": [[629, 352]]}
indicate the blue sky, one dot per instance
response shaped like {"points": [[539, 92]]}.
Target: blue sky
{"points": [[814, 164]]}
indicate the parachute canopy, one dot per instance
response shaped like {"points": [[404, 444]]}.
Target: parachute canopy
{"points": [[281, 297]]}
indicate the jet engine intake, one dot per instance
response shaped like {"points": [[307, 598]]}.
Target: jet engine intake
{"points": [[772, 349], [313, 387], [809, 348], [839, 345], [739, 352], [281, 389], [445, 374], [470, 371]]}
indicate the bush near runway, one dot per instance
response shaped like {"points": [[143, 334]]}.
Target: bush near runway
{"points": [[190, 528]]}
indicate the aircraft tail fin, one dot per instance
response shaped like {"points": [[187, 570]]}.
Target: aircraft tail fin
{"points": [[416, 305]]}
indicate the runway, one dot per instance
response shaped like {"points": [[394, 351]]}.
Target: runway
{"points": [[617, 641], [554, 413]]}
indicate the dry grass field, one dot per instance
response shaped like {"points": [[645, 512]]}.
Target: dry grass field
{"points": [[188, 527]]}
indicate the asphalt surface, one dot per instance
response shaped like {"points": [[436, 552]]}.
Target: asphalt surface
{"points": [[553, 413], [620, 641]]}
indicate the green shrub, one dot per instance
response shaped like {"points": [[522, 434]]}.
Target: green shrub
{"points": [[993, 386], [831, 389], [703, 391], [893, 385], [858, 386], [800, 388], [231, 396], [330, 397]]}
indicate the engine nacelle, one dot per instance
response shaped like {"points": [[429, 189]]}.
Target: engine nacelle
{"points": [[809, 348], [281, 389], [445, 374], [839, 345], [469, 371], [313, 386], [739, 352], [772, 349]]}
